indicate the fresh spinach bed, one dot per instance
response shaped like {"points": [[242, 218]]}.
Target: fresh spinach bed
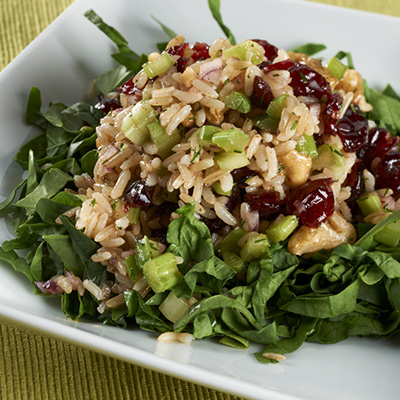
{"points": [[281, 301]]}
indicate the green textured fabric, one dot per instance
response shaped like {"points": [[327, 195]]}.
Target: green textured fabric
{"points": [[36, 367]]}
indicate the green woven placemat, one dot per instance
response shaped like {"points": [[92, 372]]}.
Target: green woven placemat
{"points": [[36, 367]]}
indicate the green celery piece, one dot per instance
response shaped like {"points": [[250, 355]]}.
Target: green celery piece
{"points": [[162, 272], [135, 124], [276, 107], [306, 145], [230, 241], [266, 123], [242, 49], [134, 271], [336, 68], [174, 307], [205, 134], [329, 156], [255, 247], [218, 189], [238, 101], [133, 215], [234, 261], [231, 139], [163, 141], [389, 235], [158, 67], [369, 203], [228, 161], [281, 230]]}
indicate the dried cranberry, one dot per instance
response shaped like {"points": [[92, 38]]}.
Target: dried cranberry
{"points": [[200, 51], [107, 105], [331, 113], [355, 181], [305, 80], [270, 51], [266, 203], [181, 64], [234, 199], [380, 142], [213, 225], [178, 50], [161, 235], [262, 93], [313, 202], [130, 88], [241, 175], [138, 194], [387, 173], [353, 130]]}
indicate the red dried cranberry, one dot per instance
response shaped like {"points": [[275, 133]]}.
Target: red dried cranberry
{"points": [[181, 64], [130, 88], [200, 51], [138, 194], [353, 130], [313, 202], [305, 80], [107, 105], [178, 50], [331, 113], [380, 142], [266, 203], [241, 175], [281, 65], [355, 181], [262, 93], [270, 51], [387, 173], [214, 225]]}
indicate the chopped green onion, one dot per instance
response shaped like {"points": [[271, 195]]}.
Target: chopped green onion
{"points": [[162, 272]]}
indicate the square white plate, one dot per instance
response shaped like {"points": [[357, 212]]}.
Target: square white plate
{"points": [[68, 55]]}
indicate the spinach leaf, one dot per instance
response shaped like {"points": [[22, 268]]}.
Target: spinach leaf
{"points": [[6, 202], [169, 32], [110, 80], [309, 49], [88, 161], [18, 263], [33, 115], [214, 6]]}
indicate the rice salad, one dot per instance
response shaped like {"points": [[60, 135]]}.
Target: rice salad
{"points": [[236, 191]]}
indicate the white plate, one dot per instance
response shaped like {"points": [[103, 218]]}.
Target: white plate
{"points": [[63, 60]]}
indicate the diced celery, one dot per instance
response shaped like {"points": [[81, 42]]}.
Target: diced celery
{"points": [[336, 67], [255, 247], [133, 215], [118, 208], [276, 107], [162, 272], [266, 123], [234, 261], [238, 101], [174, 307], [134, 125], [218, 189], [282, 229], [205, 133], [158, 67], [306, 145], [228, 161], [231, 139], [389, 235], [230, 241], [329, 156], [134, 271], [163, 141], [242, 49], [369, 203]]}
